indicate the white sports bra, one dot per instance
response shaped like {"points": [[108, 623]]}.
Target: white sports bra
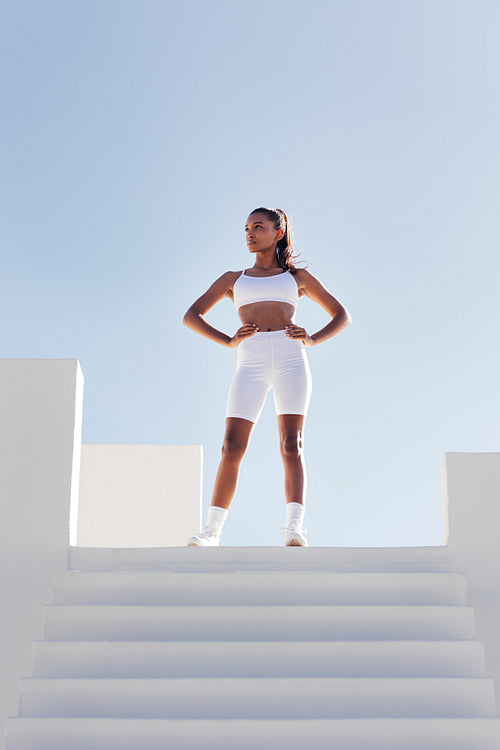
{"points": [[281, 287]]}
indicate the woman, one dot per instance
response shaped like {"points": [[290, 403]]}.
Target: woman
{"points": [[271, 354]]}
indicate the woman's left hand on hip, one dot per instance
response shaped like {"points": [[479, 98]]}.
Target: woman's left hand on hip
{"points": [[296, 332]]}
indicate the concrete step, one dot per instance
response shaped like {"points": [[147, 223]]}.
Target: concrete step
{"points": [[258, 698], [226, 559], [278, 587], [87, 622], [242, 734], [258, 659]]}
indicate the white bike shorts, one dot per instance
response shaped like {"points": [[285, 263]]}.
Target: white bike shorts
{"points": [[269, 359]]}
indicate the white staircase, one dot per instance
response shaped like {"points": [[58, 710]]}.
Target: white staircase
{"points": [[244, 648]]}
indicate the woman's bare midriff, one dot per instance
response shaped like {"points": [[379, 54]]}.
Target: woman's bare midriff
{"points": [[268, 316]]}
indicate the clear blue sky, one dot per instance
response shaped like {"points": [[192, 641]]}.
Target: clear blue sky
{"points": [[135, 139]]}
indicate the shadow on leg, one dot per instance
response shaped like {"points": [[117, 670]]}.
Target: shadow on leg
{"points": [[234, 446]]}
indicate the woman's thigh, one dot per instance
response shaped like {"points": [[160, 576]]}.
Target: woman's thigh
{"points": [[247, 394], [293, 386]]}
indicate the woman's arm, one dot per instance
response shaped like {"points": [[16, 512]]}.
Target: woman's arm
{"points": [[312, 287], [194, 319]]}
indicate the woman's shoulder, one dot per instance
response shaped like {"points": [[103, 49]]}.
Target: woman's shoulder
{"points": [[226, 281], [231, 276], [303, 277], [228, 277]]}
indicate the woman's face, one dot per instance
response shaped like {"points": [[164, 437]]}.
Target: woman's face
{"points": [[261, 234]]}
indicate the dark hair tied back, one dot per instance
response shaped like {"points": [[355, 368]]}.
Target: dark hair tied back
{"points": [[284, 248]]}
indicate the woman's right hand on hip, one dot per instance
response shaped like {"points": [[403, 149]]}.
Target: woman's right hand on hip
{"points": [[246, 330]]}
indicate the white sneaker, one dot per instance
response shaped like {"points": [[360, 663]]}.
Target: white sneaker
{"points": [[294, 536], [209, 537]]}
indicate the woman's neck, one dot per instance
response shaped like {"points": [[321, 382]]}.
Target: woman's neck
{"points": [[266, 261]]}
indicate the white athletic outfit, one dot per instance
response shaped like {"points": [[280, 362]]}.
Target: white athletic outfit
{"points": [[268, 359]]}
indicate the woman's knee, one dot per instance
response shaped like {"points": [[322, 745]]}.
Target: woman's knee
{"points": [[234, 447], [291, 445]]}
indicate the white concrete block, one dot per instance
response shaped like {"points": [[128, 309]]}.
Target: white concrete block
{"points": [[40, 434], [139, 495], [471, 506], [471, 483]]}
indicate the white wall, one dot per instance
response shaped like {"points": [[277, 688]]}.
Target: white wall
{"points": [[139, 495], [471, 514], [40, 436]]}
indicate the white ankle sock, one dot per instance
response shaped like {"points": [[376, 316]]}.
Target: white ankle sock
{"points": [[294, 515], [216, 517]]}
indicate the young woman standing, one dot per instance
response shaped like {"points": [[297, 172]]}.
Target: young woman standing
{"points": [[271, 354]]}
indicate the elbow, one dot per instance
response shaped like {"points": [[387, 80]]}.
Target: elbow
{"points": [[190, 316], [343, 318]]}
